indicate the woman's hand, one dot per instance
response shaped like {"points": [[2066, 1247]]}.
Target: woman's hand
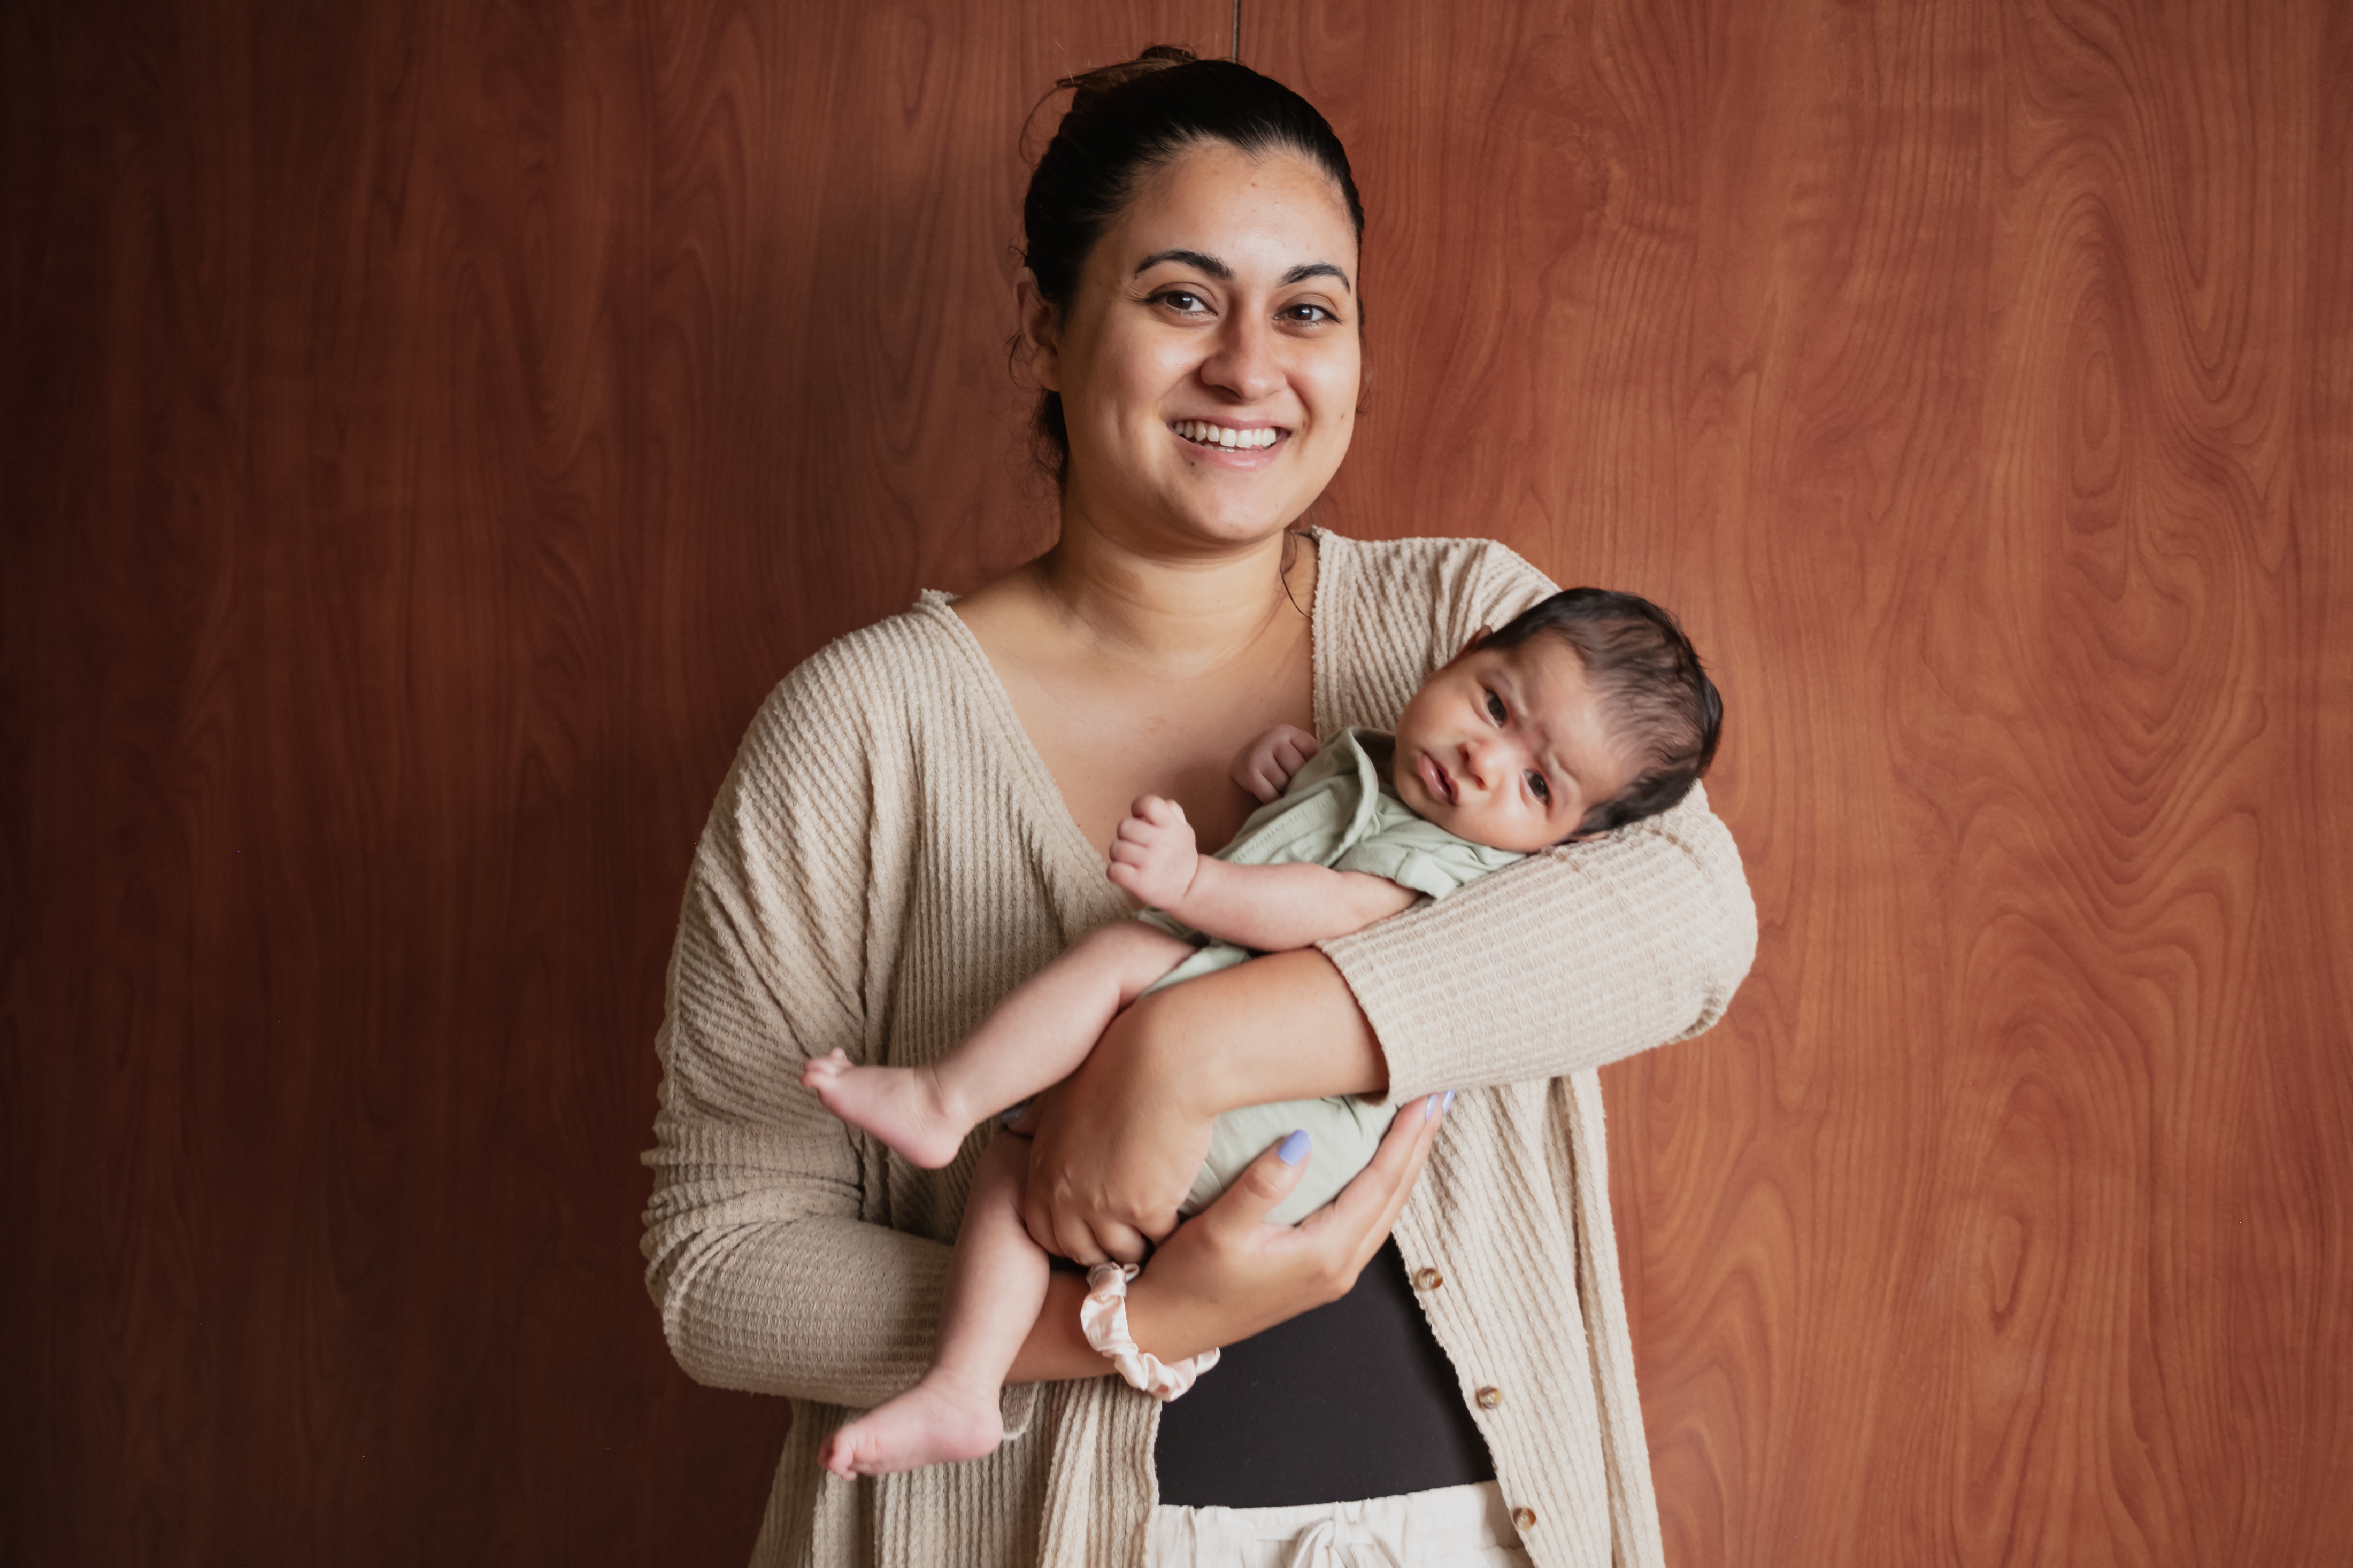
{"points": [[1115, 1146], [1226, 1274], [1120, 1140]]}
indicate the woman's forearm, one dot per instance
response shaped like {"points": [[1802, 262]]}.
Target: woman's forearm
{"points": [[1285, 1027], [1056, 1349], [1569, 960]]}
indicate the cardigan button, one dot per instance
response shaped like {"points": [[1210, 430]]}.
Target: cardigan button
{"points": [[1428, 1278], [1489, 1398], [1524, 1519]]}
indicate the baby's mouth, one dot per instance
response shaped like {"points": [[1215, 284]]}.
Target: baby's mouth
{"points": [[1435, 779], [1229, 437]]}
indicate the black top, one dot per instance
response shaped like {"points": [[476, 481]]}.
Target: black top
{"points": [[1353, 1400]]}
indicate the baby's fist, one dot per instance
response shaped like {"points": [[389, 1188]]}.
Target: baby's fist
{"points": [[1153, 857], [1266, 765]]}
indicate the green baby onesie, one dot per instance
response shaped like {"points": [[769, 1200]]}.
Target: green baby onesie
{"points": [[1340, 810]]}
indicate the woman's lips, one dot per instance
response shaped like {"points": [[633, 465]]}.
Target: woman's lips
{"points": [[1435, 779], [1249, 449]]}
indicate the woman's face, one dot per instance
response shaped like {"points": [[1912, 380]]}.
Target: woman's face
{"points": [[1208, 367]]}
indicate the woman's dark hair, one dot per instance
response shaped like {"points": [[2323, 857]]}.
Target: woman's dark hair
{"points": [[1658, 700], [1127, 120]]}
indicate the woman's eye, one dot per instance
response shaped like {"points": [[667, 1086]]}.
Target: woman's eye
{"points": [[1183, 301], [1537, 787], [1311, 315], [1494, 708]]}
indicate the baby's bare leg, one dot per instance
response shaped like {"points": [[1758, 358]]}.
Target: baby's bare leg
{"points": [[997, 1284], [1035, 1037]]}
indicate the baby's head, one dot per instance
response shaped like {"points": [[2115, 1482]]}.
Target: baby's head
{"points": [[1586, 712]]}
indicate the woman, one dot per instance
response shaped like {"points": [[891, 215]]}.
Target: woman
{"points": [[916, 822]]}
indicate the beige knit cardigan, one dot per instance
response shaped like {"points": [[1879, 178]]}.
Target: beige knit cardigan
{"points": [[889, 856]]}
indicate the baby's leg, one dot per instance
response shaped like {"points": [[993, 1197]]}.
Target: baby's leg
{"points": [[996, 1286], [1035, 1037]]}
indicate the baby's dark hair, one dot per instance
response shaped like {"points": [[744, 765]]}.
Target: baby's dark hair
{"points": [[1659, 701]]}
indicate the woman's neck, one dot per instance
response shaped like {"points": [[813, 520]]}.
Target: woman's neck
{"points": [[1176, 614]]}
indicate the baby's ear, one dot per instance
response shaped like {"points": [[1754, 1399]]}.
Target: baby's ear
{"points": [[1477, 638]]}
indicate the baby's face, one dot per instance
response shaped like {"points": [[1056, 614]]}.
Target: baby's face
{"points": [[1508, 747]]}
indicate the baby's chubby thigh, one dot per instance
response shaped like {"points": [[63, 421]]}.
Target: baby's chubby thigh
{"points": [[1344, 1132]]}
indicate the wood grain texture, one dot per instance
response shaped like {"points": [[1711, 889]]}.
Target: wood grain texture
{"points": [[1974, 378], [430, 429]]}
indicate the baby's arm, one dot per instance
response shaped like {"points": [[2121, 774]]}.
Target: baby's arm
{"points": [[1270, 908]]}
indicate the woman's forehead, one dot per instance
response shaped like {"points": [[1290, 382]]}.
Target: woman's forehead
{"points": [[1270, 213]]}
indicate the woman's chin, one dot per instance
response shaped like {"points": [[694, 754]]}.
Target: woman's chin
{"points": [[1228, 520]]}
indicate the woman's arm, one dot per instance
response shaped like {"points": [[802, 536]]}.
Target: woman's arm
{"points": [[1572, 959], [1119, 1141], [1227, 1274], [758, 1252], [1569, 960]]}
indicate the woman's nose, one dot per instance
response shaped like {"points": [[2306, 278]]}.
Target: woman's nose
{"points": [[1244, 363]]}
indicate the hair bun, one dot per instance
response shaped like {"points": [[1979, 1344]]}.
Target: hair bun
{"points": [[1102, 79]]}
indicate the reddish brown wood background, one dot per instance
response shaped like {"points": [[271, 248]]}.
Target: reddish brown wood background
{"points": [[429, 428]]}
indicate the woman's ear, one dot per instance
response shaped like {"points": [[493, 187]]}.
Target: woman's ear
{"points": [[1041, 331]]}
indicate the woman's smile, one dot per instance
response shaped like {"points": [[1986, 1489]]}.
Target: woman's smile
{"points": [[1232, 445]]}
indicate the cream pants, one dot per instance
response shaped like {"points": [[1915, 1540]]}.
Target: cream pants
{"points": [[1455, 1527]]}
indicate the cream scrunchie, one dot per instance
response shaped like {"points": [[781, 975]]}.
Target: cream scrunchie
{"points": [[1103, 1316]]}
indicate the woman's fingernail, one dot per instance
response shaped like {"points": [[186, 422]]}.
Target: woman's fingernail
{"points": [[1013, 1113], [1294, 1148], [1429, 1106], [1447, 1104]]}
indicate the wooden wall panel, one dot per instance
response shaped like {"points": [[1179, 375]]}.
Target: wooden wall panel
{"points": [[1974, 379], [429, 430]]}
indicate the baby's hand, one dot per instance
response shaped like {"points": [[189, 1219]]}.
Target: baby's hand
{"points": [[1153, 858], [1266, 765]]}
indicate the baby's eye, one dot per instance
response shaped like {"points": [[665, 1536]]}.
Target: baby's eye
{"points": [[1537, 787], [1494, 708]]}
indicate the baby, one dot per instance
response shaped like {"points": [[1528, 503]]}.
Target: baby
{"points": [[1587, 711]]}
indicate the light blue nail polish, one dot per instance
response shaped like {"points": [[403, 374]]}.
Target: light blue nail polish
{"points": [[1294, 1148], [1447, 1104], [1429, 1106]]}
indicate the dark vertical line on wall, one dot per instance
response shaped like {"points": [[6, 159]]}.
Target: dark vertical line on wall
{"points": [[1237, 55]]}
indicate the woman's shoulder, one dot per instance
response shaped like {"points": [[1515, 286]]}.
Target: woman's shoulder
{"points": [[1390, 611], [867, 689], [1481, 578]]}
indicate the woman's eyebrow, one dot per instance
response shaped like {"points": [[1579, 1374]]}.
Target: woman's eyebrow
{"points": [[1225, 274], [1307, 269], [1208, 263]]}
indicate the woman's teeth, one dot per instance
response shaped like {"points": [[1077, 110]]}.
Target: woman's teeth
{"points": [[1208, 434]]}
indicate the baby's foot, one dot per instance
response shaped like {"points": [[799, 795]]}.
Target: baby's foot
{"points": [[939, 1420], [898, 1105]]}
